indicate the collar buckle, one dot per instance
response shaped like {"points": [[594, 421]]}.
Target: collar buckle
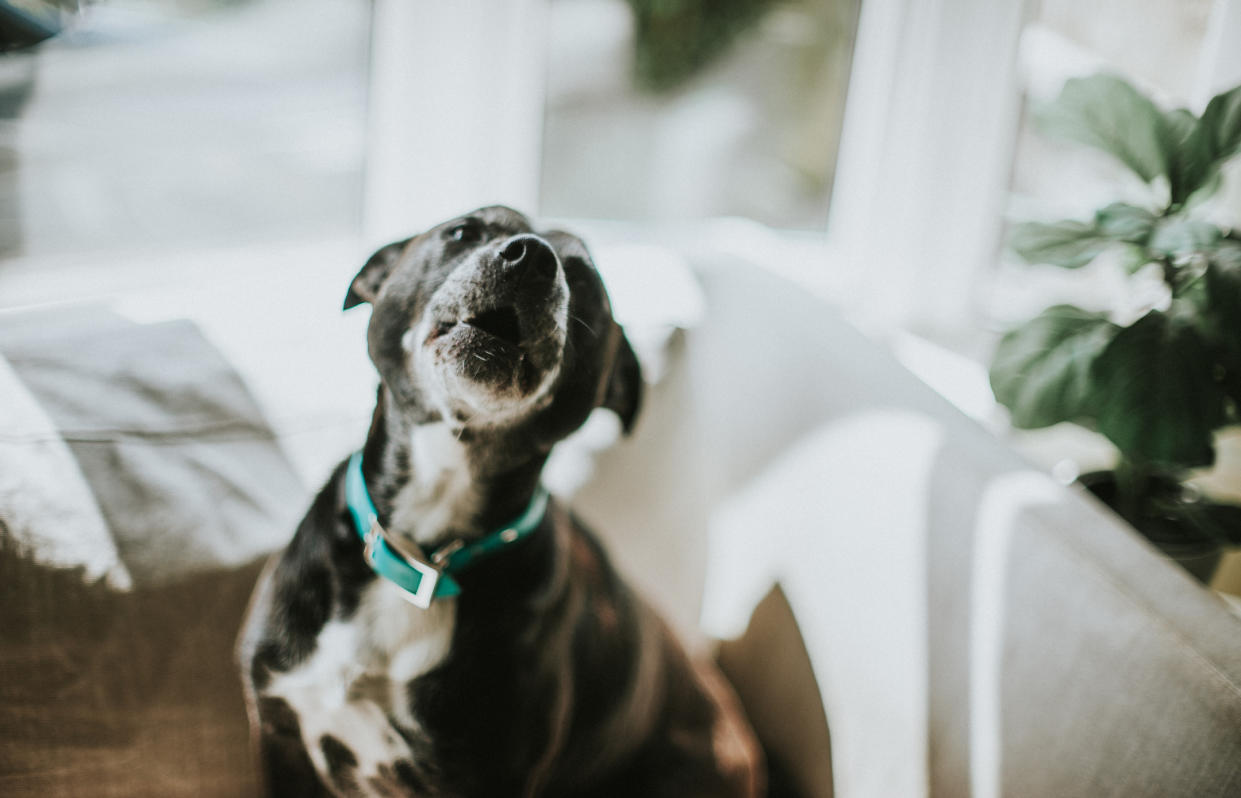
{"points": [[430, 573]]}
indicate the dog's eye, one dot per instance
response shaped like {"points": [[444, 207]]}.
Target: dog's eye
{"points": [[465, 233]]}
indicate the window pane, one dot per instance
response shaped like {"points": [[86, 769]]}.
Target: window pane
{"points": [[1153, 44], [688, 108], [184, 123]]}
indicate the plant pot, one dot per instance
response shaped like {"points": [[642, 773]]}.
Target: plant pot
{"points": [[1196, 552]]}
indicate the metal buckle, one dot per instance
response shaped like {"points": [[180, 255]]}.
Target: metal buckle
{"points": [[430, 574]]}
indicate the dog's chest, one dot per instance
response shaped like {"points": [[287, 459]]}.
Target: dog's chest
{"points": [[352, 693], [441, 495]]}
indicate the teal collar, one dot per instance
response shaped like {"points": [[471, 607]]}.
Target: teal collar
{"points": [[423, 577]]}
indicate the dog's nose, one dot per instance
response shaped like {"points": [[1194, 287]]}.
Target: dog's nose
{"points": [[530, 258], [515, 252]]}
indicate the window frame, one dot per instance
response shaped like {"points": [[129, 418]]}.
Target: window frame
{"points": [[929, 128]]}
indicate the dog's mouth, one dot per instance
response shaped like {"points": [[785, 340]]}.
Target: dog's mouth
{"points": [[496, 330], [500, 323], [497, 348]]}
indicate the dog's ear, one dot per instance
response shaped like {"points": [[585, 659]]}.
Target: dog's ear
{"points": [[623, 393], [365, 286]]}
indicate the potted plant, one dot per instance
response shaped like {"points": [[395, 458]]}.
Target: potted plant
{"points": [[1157, 387]]}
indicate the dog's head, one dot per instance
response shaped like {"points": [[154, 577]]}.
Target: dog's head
{"points": [[487, 325]]}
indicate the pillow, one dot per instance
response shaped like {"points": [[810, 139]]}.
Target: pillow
{"points": [[140, 492], [47, 510], [184, 469]]}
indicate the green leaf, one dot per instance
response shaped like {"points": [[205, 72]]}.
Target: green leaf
{"points": [[1223, 285], [1105, 112], [1228, 254], [1221, 125], [1133, 258], [1189, 299], [1069, 244], [1209, 188], [1073, 244], [1123, 222], [1182, 235], [1155, 395], [1041, 370], [1221, 319], [1187, 150]]}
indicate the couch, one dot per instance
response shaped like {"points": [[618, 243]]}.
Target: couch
{"points": [[877, 563]]}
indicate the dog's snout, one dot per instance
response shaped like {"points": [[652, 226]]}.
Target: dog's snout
{"points": [[530, 257], [515, 252]]}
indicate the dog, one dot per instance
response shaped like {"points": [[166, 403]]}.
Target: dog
{"points": [[438, 626]]}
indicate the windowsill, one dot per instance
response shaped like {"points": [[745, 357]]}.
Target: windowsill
{"points": [[111, 276]]}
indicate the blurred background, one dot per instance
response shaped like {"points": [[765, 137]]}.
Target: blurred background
{"points": [[796, 205], [189, 124]]}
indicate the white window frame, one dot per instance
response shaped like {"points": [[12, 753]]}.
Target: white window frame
{"points": [[456, 110], [929, 129]]}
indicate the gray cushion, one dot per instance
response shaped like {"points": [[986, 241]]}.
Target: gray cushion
{"points": [[183, 467]]}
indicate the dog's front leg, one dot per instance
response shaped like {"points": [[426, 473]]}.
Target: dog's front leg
{"points": [[286, 767]]}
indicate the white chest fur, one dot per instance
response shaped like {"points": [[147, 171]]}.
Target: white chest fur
{"points": [[441, 494], [353, 687]]}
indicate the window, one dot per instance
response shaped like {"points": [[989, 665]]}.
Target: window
{"points": [[1169, 50], [185, 123], [1152, 43], [688, 110]]}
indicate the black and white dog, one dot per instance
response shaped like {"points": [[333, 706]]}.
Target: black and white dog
{"points": [[437, 627]]}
